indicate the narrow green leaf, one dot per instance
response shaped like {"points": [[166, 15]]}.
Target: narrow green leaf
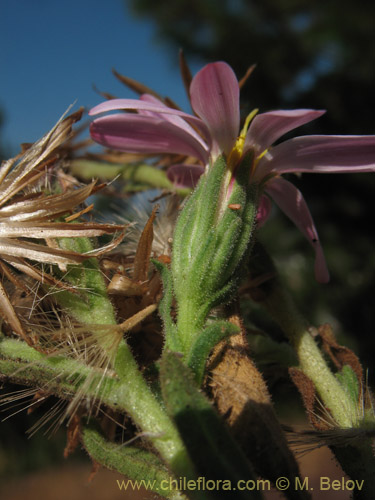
{"points": [[139, 173], [349, 381], [90, 304], [210, 199], [185, 229], [165, 305], [197, 217], [204, 344], [214, 452], [142, 467]]}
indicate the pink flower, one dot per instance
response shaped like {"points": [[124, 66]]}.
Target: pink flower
{"points": [[214, 93]]}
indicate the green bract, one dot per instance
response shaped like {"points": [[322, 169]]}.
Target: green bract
{"points": [[211, 238]]}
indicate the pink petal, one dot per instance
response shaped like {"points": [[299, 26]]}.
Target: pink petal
{"points": [[135, 133], [215, 95], [264, 210], [176, 120], [141, 105], [266, 128], [154, 100], [292, 203], [322, 154], [184, 175]]}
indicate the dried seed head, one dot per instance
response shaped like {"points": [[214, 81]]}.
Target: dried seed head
{"points": [[28, 216]]}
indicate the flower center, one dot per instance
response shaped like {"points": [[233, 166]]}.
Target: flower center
{"points": [[237, 151]]}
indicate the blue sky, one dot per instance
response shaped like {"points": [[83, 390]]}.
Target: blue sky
{"points": [[52, 52]]}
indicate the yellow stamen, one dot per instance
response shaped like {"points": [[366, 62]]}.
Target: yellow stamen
{"points": [[237, 151], [256, 161]]}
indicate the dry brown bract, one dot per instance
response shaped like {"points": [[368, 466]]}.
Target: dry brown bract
{"points": [[28, 213]]}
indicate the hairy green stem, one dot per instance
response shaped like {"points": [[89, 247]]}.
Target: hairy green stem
{"points": [[146, 411], [311, 360], [282, 308], [133, 395], [128, 392]]}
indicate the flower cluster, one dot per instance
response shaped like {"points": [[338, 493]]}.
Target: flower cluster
{"points": [[82, 328], [214, 93]]}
